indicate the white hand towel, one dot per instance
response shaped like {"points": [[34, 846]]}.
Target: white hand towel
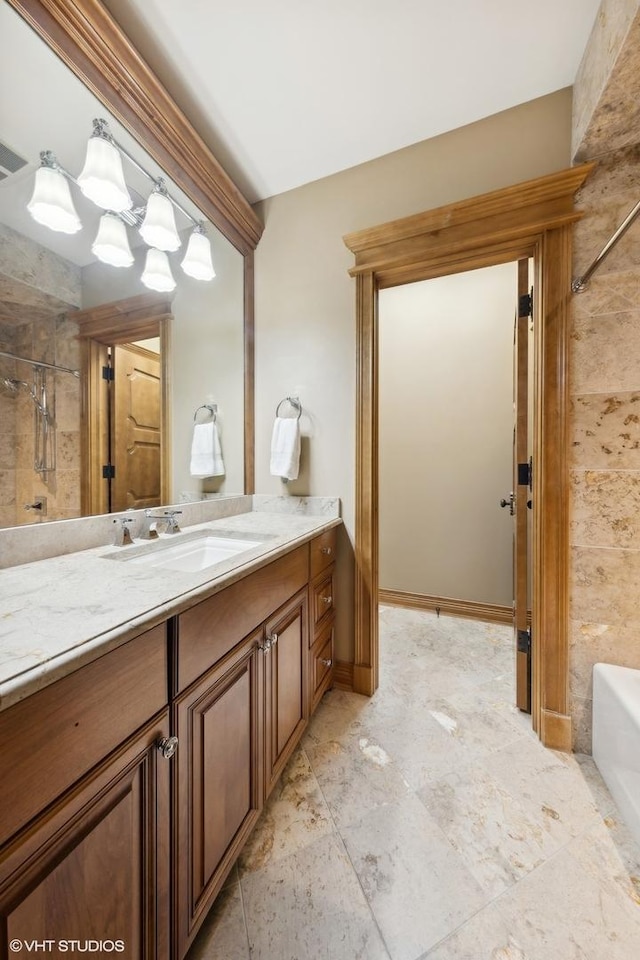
{"points": [[285, 448], [206, 455]]}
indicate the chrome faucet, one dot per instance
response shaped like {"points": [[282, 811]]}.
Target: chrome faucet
{"points": [[148, 529], [123, 534]]}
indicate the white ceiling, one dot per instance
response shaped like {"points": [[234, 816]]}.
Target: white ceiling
{"points": [[288, 91]]}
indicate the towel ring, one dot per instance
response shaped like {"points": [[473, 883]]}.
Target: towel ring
{"points": [[211, 407], [295, 403]]}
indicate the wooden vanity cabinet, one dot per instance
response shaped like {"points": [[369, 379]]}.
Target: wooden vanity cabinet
{"points": [[93, 862], [286, 684], [322, 615], [219, 782]]}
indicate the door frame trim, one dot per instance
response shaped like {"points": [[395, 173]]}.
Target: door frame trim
{"points": [[530, 219], [122, 321]]}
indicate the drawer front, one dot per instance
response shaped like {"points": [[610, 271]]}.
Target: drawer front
{"points": [[55, 736], [322, 663], [323, 552], [323, 604], [209, 630]]}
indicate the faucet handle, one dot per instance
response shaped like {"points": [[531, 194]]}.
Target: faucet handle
{"points": [[123, 535]]}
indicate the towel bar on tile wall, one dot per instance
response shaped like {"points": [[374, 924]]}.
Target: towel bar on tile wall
{"points": [[211, 407], [295, 403]]}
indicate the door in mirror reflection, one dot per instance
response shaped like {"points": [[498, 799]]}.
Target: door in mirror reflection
{"points": [[135, 415]]}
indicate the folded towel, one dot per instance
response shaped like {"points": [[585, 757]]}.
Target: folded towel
{"points": [[206, 455], [285, 448]]}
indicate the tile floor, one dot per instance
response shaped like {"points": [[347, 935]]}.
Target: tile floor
{"points": [[428, 822]]}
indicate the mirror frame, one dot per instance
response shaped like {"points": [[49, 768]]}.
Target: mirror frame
{"points": [[89, 41]]}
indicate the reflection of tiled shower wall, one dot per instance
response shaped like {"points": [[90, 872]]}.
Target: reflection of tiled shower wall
{"points": [[605, 475], [7, 433], [52, 341]]}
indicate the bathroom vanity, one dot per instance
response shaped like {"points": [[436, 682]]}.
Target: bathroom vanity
{"points": [[136, 771]]}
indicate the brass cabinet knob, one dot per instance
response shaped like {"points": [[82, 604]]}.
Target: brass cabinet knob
{"points": [[326, 550], [167, 746], [327, 600], [272, 638], [327, 663]]}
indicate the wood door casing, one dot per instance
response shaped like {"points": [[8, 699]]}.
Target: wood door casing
{"points": [[136, 428], [531, 219]]}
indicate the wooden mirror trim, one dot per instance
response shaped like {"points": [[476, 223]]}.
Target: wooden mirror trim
{"points": [[90, 42], [531, 219]]}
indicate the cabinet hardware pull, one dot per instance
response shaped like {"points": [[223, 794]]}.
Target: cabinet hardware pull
{"points": [[327, 600], [266, 646], [167, 746], [326, 550], [273, 639], [327, 663]]}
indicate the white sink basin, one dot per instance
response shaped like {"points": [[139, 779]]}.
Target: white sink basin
{"points": [[190, 555]]}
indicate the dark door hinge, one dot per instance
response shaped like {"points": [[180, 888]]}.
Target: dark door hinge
{"points": [[108, 471], [107, 373], [525, 305], [524, 641]]}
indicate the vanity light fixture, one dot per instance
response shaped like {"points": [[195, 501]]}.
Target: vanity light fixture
{"points": [[102, 177], [197, 260], [102, 181], [157, 272], [51, 203], [159, 225], [111, 244]]}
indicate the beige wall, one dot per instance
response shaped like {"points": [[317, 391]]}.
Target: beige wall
{"points": [[446, 435], [605, 380], [305, 327]]}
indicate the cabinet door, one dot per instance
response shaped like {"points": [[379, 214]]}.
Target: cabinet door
{"points": [[95, 867], [286, 681], [219, 779]]}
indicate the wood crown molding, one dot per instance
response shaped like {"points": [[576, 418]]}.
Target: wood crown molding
{"points": [[90, 42], [529, 193], [120, 321]]}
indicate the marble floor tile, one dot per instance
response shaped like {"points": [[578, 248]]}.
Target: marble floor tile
{"points": [[496, 837], [428, 823], [223, 934], [561, 911], [549, 785], [486, 936], [355, 777], [294, 816], [416, 882], [310, 906]]}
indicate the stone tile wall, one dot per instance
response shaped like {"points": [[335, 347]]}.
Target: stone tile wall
{"points": [[605, 437]]}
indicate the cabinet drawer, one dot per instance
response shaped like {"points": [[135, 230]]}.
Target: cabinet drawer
{"points": [[323, 604], [322, 661], [323, 551], [56, 735], [209, 630]]}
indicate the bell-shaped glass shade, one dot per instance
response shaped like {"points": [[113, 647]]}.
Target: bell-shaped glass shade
{"points": [[197, 260], [157, 272], [111, 244], [102, 179], [51, 203], [159, 225]]}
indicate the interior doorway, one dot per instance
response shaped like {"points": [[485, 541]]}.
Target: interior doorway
{"points": [[126, 424], [529, 220], [453, 421]]}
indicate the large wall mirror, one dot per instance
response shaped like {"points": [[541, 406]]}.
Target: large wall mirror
{"points": [[101, 361]]}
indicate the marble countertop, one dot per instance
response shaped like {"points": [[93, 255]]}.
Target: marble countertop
{"points": [[58, 614]]}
